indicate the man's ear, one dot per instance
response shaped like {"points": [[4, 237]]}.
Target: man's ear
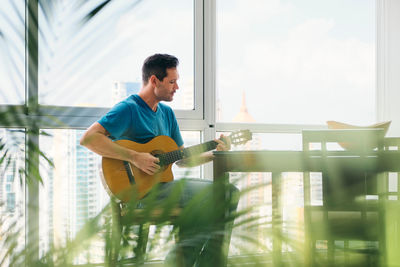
{"points": [[153, 80]]}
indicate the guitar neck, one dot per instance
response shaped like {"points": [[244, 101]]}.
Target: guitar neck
{"points": [[173, 156], [200, 148]]}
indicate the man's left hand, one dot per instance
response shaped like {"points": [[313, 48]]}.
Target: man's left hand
{"points": [[223, 146]]}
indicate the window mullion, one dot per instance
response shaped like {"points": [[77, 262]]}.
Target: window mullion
{"points": [[209, 18], [32, 137]]}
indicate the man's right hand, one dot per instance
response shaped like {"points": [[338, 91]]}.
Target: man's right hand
{"points": [[146, 162], [96, 139]]}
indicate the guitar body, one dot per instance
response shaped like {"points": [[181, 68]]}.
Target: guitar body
{"points": [[124, 181], [115, 175]]}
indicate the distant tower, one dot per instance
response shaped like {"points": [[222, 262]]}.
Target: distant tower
{"points": [[122, 90], [292, 185], [243, 115], [257, 196]]}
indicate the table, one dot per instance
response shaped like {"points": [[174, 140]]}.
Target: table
{"points": [[277, 162]]}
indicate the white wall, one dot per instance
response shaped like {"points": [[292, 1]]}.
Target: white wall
{"points": [[389, 65]]}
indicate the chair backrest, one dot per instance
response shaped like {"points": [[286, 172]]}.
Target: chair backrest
{"points": [[357, 140], [391, 143], [393, 178], [343, 188]]}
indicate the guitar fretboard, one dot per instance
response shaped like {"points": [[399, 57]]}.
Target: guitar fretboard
{"points": [[173, 156]]}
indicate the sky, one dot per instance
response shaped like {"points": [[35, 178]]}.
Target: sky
{"points": [[297, 61]]}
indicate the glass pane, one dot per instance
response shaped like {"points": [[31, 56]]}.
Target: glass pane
{"points": [[12, 193], [256, 205], [257, 214], [12, 51], [98, 63], [269, 141], [190, 138], [256, 199], [73, 192], [296, 61]]}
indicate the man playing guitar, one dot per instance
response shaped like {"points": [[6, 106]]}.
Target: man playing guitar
{"points": [[142, 117]]}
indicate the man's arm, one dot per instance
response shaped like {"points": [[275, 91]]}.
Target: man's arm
{"points": [[206, 156], [96, 139]]}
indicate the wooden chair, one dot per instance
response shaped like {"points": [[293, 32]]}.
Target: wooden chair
{"points": [[124, 218], [392, 207], [393, 192], [349, 209]]}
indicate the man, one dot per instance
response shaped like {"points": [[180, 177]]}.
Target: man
{"points": [[142, 117]]}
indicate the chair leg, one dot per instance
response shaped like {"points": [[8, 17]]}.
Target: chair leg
{"points": [[331, 252], [143, 236], [116, 232], [346, 253]]}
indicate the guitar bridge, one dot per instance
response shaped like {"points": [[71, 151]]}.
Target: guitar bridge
{"points": [[129, 172]]}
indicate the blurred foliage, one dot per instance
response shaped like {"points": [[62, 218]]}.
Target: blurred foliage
{"points": [[121, 236]]}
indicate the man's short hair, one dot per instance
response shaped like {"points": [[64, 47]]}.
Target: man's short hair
{"points": [[157, 65]]}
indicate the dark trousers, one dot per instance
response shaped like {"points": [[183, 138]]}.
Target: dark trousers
{"points": [[201, 222]]}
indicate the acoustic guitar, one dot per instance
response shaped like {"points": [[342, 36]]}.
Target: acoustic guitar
{"points": [[123, 180]]}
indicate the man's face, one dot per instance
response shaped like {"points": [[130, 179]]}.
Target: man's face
{"points": [[166, 88]]}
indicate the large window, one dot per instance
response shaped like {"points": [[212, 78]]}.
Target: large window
{"points": [[279, 66], [296, 62], [98, 64], [282, 64]]}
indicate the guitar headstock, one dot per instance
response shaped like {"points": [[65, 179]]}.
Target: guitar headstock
{"points": [[240, 137]]}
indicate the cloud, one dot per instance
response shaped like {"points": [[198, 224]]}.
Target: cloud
{"points": [[308, 69]]}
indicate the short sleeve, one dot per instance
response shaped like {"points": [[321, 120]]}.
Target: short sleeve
{"points": [[117, 120]]}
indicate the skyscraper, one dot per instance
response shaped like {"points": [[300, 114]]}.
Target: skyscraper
{"points": [[72, 192], [121, 90], [12, 197]]}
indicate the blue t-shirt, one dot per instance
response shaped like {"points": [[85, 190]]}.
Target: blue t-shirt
{"points": [[132, 119]]}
